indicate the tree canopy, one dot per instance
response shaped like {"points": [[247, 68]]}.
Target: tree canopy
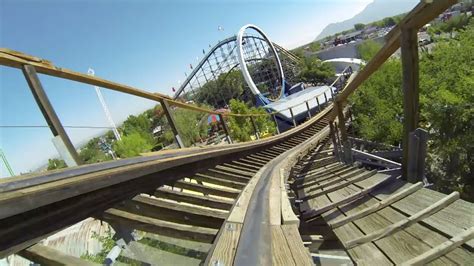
{"points": [[241, 128], [446, 82], [313, 70]]}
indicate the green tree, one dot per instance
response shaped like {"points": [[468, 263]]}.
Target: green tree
{"points": [[313, 70], [91, 152], [218, 92], [132, 145], [390, 21], [241, 128], [359, 26], [446, 82], [368, 49], [192, 126], [56, 164]]}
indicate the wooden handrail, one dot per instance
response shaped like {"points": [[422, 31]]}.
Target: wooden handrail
{"points": [[17, 59]]}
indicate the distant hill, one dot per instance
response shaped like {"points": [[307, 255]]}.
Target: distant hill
{"points": [[374, 11]]}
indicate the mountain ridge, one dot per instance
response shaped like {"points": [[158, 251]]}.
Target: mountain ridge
{"points": [[374, 11]]}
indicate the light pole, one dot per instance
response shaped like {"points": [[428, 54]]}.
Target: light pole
{"points": [[91, 72]]}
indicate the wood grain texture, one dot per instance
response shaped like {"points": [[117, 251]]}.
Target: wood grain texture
{"points": [[281, 254], [300, 253], [443, 249], [49, 256], [224, 251], [160, 227]]}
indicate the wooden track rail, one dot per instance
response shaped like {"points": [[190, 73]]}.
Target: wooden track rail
{"points": [[245, 203]]}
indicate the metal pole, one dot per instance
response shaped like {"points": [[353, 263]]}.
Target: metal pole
{"points": [[226, 130], [48, 111], [7, 165], [325, 98], [169, 116], [309, 111], [292, 117], [276, 123], [317, 101], [255, 127]]}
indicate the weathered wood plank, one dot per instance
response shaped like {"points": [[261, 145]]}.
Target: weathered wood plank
{"points": [[44, 255], [341, 185], [193, 199], [373, 208], [156, 226], [400, 225], [224, 251], [221, 191], [218, 181], [281, 254], [442, 249], [300, 254], [173, 212], [353, 197]]}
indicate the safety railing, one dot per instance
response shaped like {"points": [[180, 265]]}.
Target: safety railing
{"points": [[403, 36], [31, 66]]}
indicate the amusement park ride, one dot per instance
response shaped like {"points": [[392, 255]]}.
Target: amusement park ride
{"points": [[269, 72]]}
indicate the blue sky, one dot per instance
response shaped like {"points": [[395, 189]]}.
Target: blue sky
{"points": [[145, 44]]}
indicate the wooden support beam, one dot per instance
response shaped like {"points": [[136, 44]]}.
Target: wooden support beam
{"points": [[400, 225], [48, 111], [193, 199], [332, 134], [173, 212], [207, 190], [226, 129], [43, 255], [442, 249], [411, 94], [346, 144], [151, 225], [218, 181], [373, 208], [171, 122], [226, 175]]}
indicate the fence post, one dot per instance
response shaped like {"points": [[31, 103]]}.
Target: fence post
{"points": [[257, 135], [416, 165], [338, 140], [226, 130], [169, 116], [309, 111], [70, 156], [276, 123], [410, 71], [317, 101], [332, 133], [293, 117]]}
